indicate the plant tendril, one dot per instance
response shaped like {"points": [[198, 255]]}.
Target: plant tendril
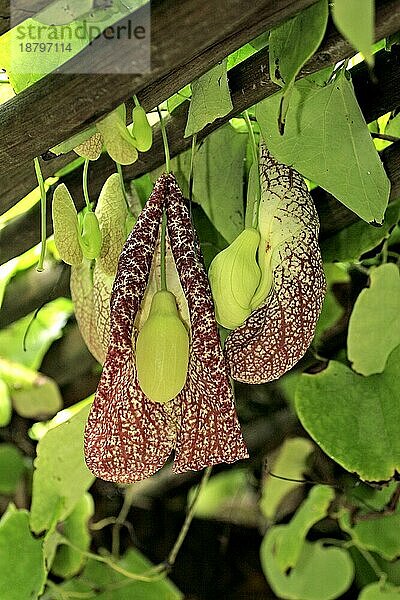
{"points": [[85, 183], [121, 178], [251, 217], [165, 140], [43, 214]]}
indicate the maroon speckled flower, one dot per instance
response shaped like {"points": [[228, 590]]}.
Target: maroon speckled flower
{"points": [[277, 334], [128, 437]]}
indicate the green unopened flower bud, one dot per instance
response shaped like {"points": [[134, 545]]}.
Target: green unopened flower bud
{"points": [[162, 350], [234, 277], [91, 238], [141, 129]]}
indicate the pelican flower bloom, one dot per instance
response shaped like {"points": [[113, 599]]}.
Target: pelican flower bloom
{"points": [[128, 436]]}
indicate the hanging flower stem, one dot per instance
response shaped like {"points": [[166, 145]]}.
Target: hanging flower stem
{"points": [[121, 178], [251, 218], [163, 241], [85, 184], [43, 214]]}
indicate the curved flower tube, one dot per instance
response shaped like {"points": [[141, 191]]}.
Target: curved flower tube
{"points": [[128, 437]]}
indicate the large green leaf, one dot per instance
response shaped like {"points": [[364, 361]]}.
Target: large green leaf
{"points": [[331, 309], [68, 561], [97, 576], [374, 328], [22, 573], [291, 464], [12, 468], [75, 32], [290, 543], [218, 180], [350, 243], [327, 140], [292, 43], [354, 418], [320, 574], [211, 99], [355, 21], [61, 476]]}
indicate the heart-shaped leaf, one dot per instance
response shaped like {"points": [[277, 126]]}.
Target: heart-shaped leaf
{"points": [[354, 418]]}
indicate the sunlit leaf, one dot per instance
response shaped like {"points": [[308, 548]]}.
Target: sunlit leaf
{"points": [[354, 418], [377, 310], [327, 140], [291, 464], [34, 395], [61, 476], [46, 328], [292, 43], [22, 573], [211, 99], [117, 139], [355, 21], [5, 404]]}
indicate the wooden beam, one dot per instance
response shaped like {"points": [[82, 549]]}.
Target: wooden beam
{"points": [[249, 83], [187, 38]]}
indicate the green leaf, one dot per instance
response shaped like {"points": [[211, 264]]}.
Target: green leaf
{"points": [[356, 22], [46, 328], [117, 139], [354, 418], [12, 468], [320, 574], [380, 591], [290, 543], [219, 491], [22, 573], [378, 534], [68, 561], [61, 476], [331, 309], [240, 55], [74, 141], [218, 180], [377, 310], [5, 404], [290, 463], [34, 395], [99, 576], [327, 140], [211, 241], [179, 98], [211, 99], [350, 243], [292, 44], [24, 68]]}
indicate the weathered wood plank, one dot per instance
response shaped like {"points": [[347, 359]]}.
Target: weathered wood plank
{"points": [[187, 38]]}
